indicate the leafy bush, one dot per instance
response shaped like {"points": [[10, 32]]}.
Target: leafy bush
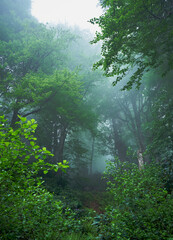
{"points": [[27, 210], [160, 132], [142, 208]]}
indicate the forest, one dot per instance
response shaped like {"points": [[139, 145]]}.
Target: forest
{"points": [[86, 124]]}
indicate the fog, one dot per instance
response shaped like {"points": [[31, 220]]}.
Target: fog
{"points": [[71, 13]]}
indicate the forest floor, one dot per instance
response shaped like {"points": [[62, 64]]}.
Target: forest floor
{"points": [[95, 200]]}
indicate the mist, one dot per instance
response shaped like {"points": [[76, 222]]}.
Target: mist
{"points": [[86, 121]]}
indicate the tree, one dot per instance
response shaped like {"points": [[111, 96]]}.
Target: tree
{"points": [[64, 113], [31, 54], [124, 113], [29, 77], [36, 80], [28, 211], [135, 34], [13, 13], [72, 110]]}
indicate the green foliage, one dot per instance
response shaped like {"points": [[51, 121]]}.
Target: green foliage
{"points": [[37, 78], [12, 15], [78, 221], [135, 34], [35, 49], [28, 211], [142, 208], [30, 68], [78, 236], [160, 131]]}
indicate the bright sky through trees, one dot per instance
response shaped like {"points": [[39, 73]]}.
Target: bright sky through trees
{"points": [[71, 12]]}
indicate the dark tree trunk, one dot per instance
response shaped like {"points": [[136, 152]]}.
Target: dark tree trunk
{"points": [[120, 147], [59, 136], [92, 155], [15, 118]]}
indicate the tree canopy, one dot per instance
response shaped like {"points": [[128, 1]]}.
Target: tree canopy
{"points": [[135, 35]]}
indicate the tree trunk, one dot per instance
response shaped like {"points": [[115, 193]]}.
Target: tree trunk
{"points": [[139, 135], [55, 142], [59, 136], [15, 118], [118, 143], [61, 142], [92, 155], [140, 160]]}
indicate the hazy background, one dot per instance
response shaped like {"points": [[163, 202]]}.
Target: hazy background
{"points": [[77, 12]]}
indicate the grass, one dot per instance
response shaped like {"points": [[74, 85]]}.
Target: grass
{"points": [[78, 236]]}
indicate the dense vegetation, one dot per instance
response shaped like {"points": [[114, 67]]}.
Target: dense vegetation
{"points": [[60, 121]]}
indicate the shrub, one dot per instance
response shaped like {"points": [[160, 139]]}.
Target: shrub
{"points": [[27, 210], [142, 208]]}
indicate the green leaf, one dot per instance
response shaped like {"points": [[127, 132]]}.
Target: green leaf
{"points": [[23, 119], [32, 143], [7, 144]]}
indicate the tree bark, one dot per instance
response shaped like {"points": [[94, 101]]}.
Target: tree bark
{"points": [[15, 118], [137, 116], [92, 156], [61, 142], [118, 143]]}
